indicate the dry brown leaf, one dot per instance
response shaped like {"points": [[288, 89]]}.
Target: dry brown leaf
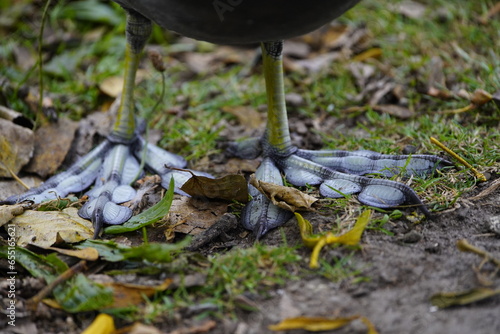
{"points": [[205, 327], [16, 147], [52, 143], [15, 117], [229, 187], [287, 198], [480, 97], [46, 228], [125, 294], [139, 328], [394, 110], [190, 216], [8, 212], [89, 253]]}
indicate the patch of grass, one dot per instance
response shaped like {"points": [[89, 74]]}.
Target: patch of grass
{"points": [[342, 268]]}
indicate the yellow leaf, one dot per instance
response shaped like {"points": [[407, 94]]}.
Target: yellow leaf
{"points": [[102, 324], [316, 324], [89, 253], [353, 236], [317, 242], [45, 228]]}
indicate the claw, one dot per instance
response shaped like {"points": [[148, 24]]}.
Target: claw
{"points": [[260, 215]]}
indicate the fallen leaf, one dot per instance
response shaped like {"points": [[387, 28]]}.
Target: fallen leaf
{"points": [[8, 212], [191, 217], [81, 294], [102, 324], [125, 294], [447, 299], [205, 327], [480, 97], [88, 253], [288, 198], [138, 328], [52, 143], [317, 242], [368, 54], [317, 324], [16, 147], [46, 228], [15, 117], [229, 187], [394, 110]]}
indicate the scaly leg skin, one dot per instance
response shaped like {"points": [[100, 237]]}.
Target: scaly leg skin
{"points": [[337, 173], [114, 164]]}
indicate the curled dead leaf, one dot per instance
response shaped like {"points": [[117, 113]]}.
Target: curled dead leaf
{"points": [[229, 187], [8, 212], [287, 198], [480, 97]]}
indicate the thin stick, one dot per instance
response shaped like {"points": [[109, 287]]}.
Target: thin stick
{"points": [[77, 268], [478, 174]]}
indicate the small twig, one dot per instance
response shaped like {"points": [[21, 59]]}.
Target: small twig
{"points": [[478, 174], [486, 192], [77, 268], [15, 177], [464, 246]]}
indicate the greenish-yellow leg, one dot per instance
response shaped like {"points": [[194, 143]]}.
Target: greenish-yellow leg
{"points": [[137, 34]]}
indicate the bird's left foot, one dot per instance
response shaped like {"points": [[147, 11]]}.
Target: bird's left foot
{"points": [[337, 173], [112, 168]]}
